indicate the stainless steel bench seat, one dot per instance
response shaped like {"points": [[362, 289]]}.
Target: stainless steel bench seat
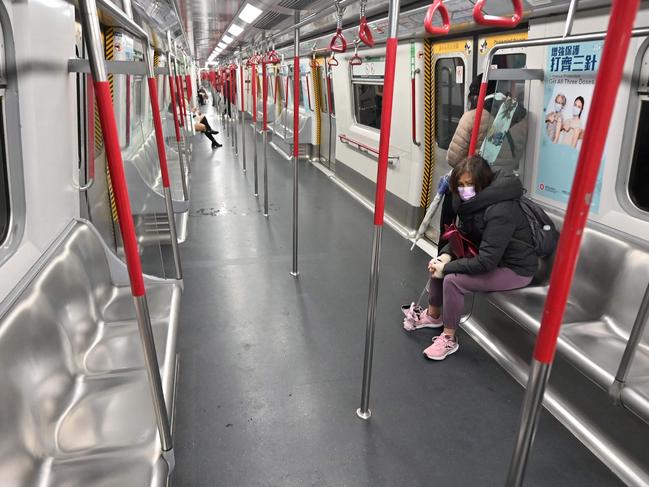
{"points": [[609, 283], [75, 404]]}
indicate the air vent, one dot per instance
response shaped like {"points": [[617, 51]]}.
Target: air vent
{"points": [[297, 4], [270, 20]]}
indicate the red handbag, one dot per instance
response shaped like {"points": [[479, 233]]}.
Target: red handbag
{"points": [[461, 246]]}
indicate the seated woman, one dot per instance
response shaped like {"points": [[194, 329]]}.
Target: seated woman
{"points": [[202, 125], [491, 217]]}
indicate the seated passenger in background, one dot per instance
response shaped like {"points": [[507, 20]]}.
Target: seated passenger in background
{"points": [[491, 217], [202, 125], [202, 95]]}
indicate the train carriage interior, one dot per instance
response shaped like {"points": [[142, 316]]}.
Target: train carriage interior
{"points": [[324, 243]]}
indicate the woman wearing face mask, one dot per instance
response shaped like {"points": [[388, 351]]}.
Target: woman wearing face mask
{"points": [[554, 119], [572, 126], [491, 217]]}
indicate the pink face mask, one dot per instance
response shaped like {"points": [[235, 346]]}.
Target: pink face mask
{"points": [[466, 192]]}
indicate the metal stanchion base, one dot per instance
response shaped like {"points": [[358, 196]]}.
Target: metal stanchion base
{"points": [[363, 415], [295, 274], [170, 457]]}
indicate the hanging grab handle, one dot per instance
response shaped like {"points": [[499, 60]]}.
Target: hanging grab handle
{"points": [[272, 57], [332, 61], [364, 31], [338, 42], [355, 60], [496, 21], [437, 5]]}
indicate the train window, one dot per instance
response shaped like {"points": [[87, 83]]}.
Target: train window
{"points": [[449, 98], [639, 175], [367, 104], [4, 183]]}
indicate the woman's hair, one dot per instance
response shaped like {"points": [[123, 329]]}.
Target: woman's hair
{"points": [[479, 170], [581, 99]]}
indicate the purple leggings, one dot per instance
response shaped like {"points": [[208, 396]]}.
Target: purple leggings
{"points": [[449, 292]]}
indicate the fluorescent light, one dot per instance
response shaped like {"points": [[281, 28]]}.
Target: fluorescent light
{"points": [[249, 13], [235, 30], [222, 45], [227, 39]]}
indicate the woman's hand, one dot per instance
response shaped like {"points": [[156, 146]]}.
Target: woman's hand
{"points": [[436, 265]]}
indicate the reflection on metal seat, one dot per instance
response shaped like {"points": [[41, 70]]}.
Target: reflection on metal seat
{"points": [[609, 284], [74, 397], [145, 180]]}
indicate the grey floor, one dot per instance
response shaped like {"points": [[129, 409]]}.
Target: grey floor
{"points": [[271, 365]]}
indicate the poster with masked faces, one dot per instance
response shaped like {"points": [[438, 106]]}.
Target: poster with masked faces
{"points": [[568, 92]]}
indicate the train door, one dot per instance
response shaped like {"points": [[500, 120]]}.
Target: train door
{"points": [[451, 72]]}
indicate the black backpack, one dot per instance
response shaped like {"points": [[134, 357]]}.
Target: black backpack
{"points": [[544, 233]]}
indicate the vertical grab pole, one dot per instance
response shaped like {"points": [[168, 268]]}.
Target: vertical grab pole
{"points": [[92, 32], [254, 124], [379, 202], [242, 112], [160, 141], [608, 79], [176, 114], [235, 110], [296, 137], [264, 94]]}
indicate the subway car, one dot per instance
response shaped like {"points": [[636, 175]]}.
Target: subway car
{"points": [[324, 243]]}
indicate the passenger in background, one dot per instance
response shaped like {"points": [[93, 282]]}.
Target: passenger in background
{"points": [[202, 125], [490, 216], [458, 149], [202, 95]]}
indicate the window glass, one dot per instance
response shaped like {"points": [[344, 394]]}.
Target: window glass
{"points": [[449, 98], [4, 184], [639, 176], [367, 104]]}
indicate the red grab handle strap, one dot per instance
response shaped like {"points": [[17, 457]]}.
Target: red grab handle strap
{"points": [[338, 42], [437, 5], [496, 21], [365, 33]]}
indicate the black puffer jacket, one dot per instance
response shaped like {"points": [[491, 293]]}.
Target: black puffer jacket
{"points": [[494, 220]]}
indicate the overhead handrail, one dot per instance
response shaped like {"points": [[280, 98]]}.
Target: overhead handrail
{"points": [[392, 160], [364, 31], [607, 82], [496, 21], [355, 60], [338, 42], [437, 6], [637, 332]]}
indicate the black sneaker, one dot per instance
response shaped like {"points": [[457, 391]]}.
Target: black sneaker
{"points": [[216, 145]]}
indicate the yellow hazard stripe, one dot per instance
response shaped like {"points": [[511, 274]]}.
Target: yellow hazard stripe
{"points": [[429, 124], [109, 51]]}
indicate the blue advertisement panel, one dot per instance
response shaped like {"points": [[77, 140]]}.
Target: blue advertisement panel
{"points": [[569, 82]]}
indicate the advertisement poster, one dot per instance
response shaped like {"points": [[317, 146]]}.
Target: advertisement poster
{"points": [[569, 83]]}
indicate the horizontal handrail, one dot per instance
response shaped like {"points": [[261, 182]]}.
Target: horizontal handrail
{"points": [[392, 160]]}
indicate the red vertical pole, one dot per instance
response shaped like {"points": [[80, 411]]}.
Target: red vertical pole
{"points": [[264, 95], [242, 86], [608, 79], [296, 107], [188, 83], [379, 202], [172, 92], [254, 94], [478, 115]]}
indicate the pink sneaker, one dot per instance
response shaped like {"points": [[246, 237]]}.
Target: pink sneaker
{"points": [[423, 321], [443, 345]]}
